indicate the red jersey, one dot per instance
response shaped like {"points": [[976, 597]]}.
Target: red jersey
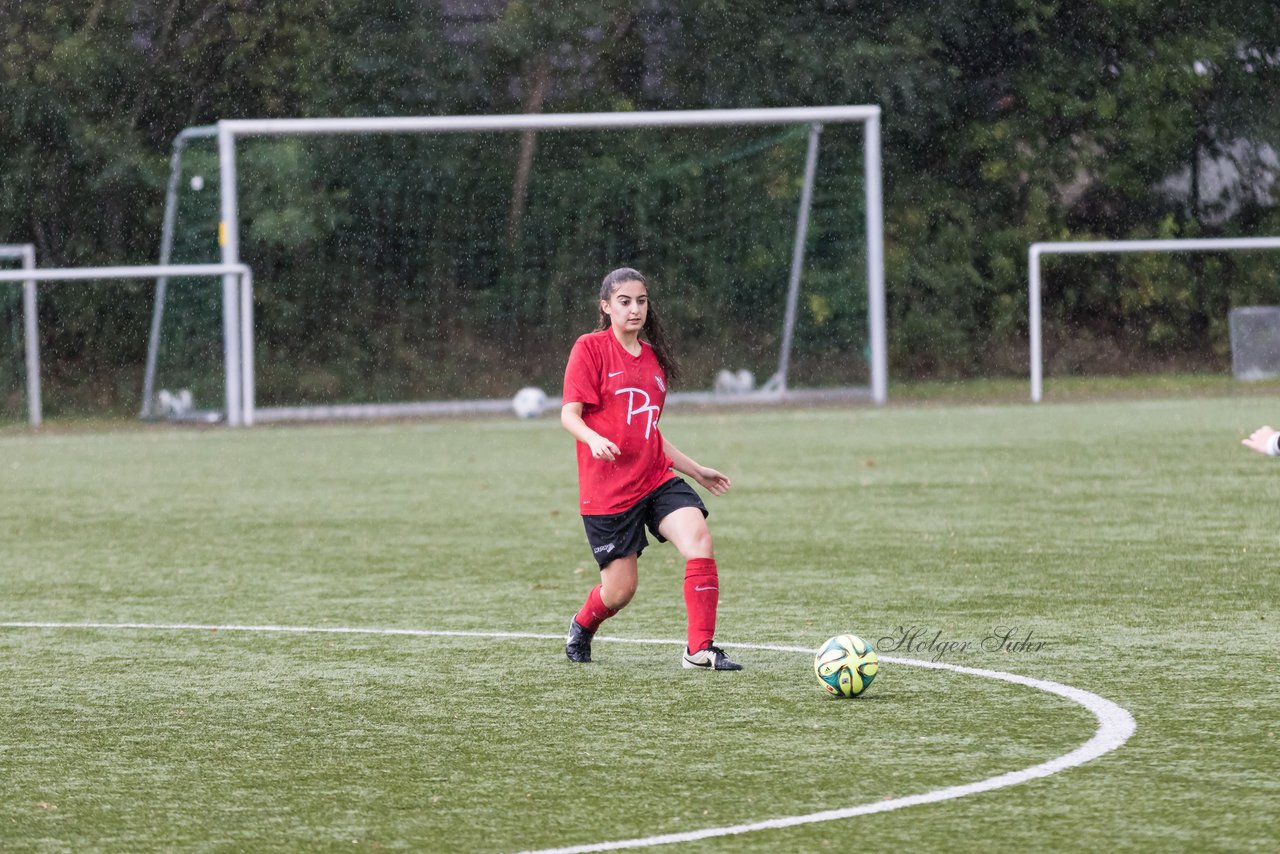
{"points": [[622, 397]]}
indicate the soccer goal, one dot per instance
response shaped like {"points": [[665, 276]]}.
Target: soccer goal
{"points": [[1081, 247], [25, 254], [446, 276], [238, 355]]}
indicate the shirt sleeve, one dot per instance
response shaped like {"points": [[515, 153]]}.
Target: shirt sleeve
{"points": [[582, 375]]}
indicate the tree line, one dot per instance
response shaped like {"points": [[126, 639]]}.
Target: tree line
{"points": [[1004, 123]]}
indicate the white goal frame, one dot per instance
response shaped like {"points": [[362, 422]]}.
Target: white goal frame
{"points": [[1080, 247], [238, 363], [237, 304], [26, 253]]}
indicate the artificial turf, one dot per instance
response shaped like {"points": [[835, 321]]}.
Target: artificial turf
{"points": [[1135, 540]]}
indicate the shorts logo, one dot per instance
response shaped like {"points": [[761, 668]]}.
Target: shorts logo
{"points": [[606, 549], [646, 408]]}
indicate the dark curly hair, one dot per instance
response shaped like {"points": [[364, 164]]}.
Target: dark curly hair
{"points": [[653, 330]]}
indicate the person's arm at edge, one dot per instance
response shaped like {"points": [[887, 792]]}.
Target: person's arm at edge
{"points": [[1264, 440]]}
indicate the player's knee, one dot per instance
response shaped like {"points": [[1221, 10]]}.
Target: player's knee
{"points": [[618, 594], [697, 545]]}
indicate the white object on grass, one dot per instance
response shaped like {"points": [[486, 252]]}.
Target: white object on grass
{"points": [[529, 402]]}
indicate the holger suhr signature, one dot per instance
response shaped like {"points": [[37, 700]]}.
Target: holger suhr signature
{"points": [[921, 640]]}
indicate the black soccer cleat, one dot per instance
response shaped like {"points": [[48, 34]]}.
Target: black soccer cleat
{"points": [[577, 647], [711, 658]]}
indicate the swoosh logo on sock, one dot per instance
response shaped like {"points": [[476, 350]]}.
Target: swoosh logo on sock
{"points": [[700, 589]]}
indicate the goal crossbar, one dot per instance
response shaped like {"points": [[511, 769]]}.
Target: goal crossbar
{"points": [[238, 364], [548, 121], [1080, 247], [236, 303]]}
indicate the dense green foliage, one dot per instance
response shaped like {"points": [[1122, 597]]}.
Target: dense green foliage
{"points": [[1153, 585], [1005, 122]]}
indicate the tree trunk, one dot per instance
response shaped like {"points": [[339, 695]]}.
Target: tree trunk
{"points": [[534, 98]]}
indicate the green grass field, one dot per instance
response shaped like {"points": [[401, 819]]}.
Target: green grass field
{"points": [[1136, 540]]}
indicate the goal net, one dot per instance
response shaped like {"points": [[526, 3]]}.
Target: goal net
{"points": [[185, 353], [1255, 342], [461, 267]]}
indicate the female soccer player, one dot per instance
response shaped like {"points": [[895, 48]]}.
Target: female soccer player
{"points": [[614, 389]]}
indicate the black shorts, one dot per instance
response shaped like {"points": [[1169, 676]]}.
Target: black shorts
{"points": [[622, 534]]}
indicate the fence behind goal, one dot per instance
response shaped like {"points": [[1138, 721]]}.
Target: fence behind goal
{"points": [[416, 266]]}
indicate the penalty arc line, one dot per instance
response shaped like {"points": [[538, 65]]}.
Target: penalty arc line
{"points": [[1115, 724]]}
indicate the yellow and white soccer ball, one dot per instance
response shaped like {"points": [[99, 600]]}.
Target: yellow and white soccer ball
{"points": [[846, 665]]}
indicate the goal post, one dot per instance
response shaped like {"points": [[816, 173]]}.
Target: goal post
{"points": [[235, 304], [26, 254], [238, 363], [1080, 247]]}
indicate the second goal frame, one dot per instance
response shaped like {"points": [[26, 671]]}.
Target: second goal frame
{"points": [[1080, 247], [237, 350], [25, 253]]}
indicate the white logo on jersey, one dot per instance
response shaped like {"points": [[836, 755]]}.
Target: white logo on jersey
{"points": [[614, 374], [647, 408], [657, 379]]}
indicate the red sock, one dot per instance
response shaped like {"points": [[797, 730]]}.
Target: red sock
{"points": [[594, 611], [701, 595]]}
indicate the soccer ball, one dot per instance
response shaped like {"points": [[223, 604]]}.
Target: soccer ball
{"points": [[529, 402], [846, 665], [174, 404], [734, 382]]}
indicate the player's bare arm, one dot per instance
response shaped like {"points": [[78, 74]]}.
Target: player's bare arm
{"points": [[601, 448], [712, 480], [1263, 440]]}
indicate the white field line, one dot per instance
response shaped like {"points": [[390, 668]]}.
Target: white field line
{"points": [[1115, 724]]}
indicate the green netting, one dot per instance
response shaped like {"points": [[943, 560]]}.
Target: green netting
{"points": [[394, 268], [190, 351]]}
